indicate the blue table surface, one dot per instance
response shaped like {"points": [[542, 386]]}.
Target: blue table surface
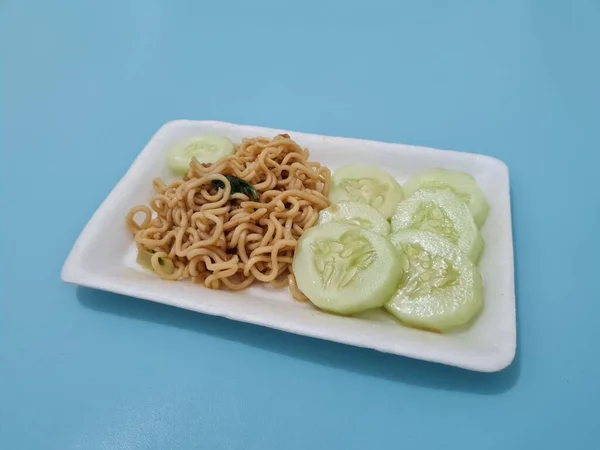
{"points": [[86, 84]]}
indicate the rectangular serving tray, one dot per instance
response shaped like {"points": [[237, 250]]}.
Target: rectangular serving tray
{"points": [[104, 255]]}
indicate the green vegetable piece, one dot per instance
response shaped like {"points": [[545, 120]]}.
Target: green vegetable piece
{"points": [[237, 186], [365, 184], [357, 214], [144, 259], [206, 149], [444, 214], [345, 269], [459, 183], [441, 288]]}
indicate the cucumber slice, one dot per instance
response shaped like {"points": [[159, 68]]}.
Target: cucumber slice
{"points": [[365, 184], [358, 214], [460, 183], [144, 259], [206, 149], [444, 214], [345, 269], [441, 288]]}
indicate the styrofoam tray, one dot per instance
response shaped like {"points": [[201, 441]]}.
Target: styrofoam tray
{"points": [[104, 255]]}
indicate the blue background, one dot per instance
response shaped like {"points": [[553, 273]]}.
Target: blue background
{"points": [[86, 84]]}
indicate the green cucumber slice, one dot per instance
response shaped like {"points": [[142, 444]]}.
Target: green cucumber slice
{"points": [[444, 214], [144, 259], [206, 149], [460, 183], [358, 214], [441, 288], [345, 269], [365, 184]]}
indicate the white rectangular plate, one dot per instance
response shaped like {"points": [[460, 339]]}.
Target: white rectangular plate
{"points": [[104, 255]]}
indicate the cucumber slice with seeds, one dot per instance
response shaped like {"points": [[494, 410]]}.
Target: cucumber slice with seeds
{"points": [[206, 149], [460, 183], [444, 214], [345, 269], [358, 214], [441, 288], [365, 184]]}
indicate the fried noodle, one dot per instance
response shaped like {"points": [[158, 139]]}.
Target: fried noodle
{"points": [[225, 239]]}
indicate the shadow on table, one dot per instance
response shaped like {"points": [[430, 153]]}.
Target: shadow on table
{"points": [[359, 360]]}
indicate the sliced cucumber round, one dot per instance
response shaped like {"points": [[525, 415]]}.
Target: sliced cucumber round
{"points": [[441, 288], [444, 214], [346, 269], [365, 184], [358, 214], [460, 183], [206, 149]]}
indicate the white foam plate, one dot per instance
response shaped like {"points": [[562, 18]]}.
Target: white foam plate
{"points": [[104, 255]]}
